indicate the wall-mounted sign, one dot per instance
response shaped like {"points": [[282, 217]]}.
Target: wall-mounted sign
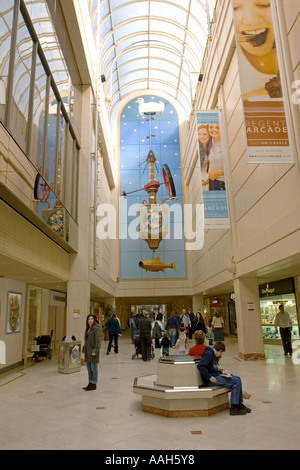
{"points": [[76, 313], [211, 154], [259, 64], [284, 286]]}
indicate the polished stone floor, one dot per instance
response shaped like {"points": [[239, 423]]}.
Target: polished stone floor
{"points": [[41, 408]]}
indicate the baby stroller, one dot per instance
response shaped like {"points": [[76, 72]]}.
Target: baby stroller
{"points": [[137, 347], [43, 346]]}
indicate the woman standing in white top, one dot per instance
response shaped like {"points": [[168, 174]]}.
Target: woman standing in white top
{"points": [[218, 325]]}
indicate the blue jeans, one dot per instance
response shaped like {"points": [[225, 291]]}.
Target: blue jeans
{"points": [[173, 336], [132, 334], [92, 368], [235, 385], [113, 338]]}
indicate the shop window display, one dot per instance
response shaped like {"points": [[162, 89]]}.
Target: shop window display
{"points": [[269, 307]]}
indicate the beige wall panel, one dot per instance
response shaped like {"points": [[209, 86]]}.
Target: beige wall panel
{"points": [[18, 186], [194, 187], [254, 188], [240, 174], [214, 260], [17, 157], [289, 223], [237, 147], [106, 267], [17, 172], [280, 170], [214, 236], [231, 76], [234, 95], [233, 98], [13, 341], [22, 242], [270, 212], [3, 167], [297, 74], [4, 141], [282, 198], [237, 119], [220, 277], [283, 248], [255, 242], [294, 38], [291, 12]]}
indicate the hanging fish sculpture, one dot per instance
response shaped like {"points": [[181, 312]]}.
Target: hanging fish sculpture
{"points": [[155, 265]]}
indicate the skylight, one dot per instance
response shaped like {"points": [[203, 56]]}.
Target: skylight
{"points": [[153, 45]]}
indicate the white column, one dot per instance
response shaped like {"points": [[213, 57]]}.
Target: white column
{"points": [[78, 307], [78, 292], [250, 337], [198, 303]]}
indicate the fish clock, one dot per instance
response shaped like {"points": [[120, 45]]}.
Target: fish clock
{"points": [[153, 218], [156, 265]]}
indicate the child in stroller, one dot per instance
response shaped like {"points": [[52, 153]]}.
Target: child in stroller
{"points": [[43, 344]]}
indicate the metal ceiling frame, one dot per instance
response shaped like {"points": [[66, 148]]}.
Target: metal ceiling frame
{"points": [[159, 45], [113, 71]]}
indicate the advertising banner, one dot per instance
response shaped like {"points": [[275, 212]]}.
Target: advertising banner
{"points": [[212, 169], [259, 69]]}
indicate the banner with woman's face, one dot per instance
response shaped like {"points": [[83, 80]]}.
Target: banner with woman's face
{"points": [[259, 70], [211, 154]]}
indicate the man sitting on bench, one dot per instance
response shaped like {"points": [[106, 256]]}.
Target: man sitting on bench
{"points": [[213, 375]]}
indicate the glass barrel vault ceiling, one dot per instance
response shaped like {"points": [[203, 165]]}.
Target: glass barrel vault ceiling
{"points": [[153, 45]]}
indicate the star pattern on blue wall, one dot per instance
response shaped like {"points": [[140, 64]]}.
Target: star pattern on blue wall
{"points": [[137, 135]]}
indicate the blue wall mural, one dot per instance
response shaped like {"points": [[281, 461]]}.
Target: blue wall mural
{"points": [[136, 138]]}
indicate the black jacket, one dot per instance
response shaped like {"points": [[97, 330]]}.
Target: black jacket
{"points": [[144, 326]]}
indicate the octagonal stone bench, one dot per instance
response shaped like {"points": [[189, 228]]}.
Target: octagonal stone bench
{"points": [[177, 390]]}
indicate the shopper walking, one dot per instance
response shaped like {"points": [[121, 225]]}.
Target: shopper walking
{"points": [[157, 331], [91, 349], [165, 344], [171, 327], [132, 324], [210, 332], [192, 318], [144, 325], [114, 330], [199, 322], [218, 327], [284, 322], [185, 318]]}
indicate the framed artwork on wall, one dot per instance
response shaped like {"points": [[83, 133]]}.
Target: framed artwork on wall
{"points": [[13, 319]]}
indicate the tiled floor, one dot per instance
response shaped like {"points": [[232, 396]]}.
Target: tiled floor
{"points": [[41, 408]]}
